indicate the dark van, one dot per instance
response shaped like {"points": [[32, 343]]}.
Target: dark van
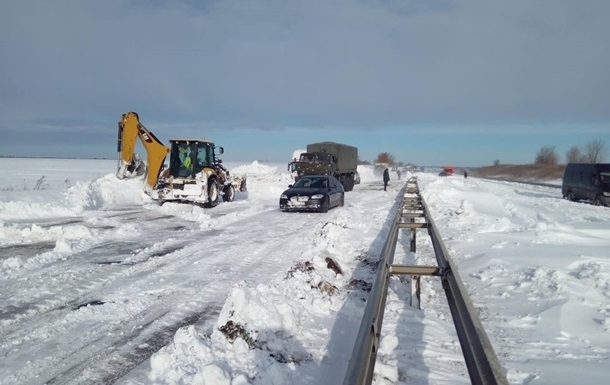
{"points": [[588, 182]]}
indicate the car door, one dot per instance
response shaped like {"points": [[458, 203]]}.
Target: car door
{"points": [[331, 190], [338, 192]]}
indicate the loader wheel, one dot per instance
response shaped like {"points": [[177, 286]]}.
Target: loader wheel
{"points": [[212, 193], [229, 193]]}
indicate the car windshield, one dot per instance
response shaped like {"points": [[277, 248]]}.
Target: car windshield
{"points": [[309, 182]]}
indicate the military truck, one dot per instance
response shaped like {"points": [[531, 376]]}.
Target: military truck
{"points": [[328, 158]]}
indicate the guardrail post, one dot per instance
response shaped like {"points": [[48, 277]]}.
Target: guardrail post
{"points": [[416, 289]]}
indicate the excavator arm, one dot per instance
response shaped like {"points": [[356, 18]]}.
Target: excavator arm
{"points": [[130, 129]]}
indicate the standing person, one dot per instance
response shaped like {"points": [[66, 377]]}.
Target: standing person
{"points": [[398, 173], [465, 174], [386, 179]]}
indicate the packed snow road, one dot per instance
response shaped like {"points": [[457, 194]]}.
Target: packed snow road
{"points": [[95, 279], [89, 294]]}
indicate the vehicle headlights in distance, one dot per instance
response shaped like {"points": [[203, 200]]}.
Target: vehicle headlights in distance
{"points": [[317, 196]]}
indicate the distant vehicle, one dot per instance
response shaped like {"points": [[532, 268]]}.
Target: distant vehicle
{"points": [[448, 170], [588, 182], [380, 168], [313, 193]]}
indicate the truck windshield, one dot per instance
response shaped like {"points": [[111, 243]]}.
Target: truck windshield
{"points": [[316, 158]]}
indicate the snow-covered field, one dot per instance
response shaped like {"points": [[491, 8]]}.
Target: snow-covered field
{"points": [[98, 284]]}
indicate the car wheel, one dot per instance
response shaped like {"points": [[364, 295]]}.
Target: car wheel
{"points": [[324, 207], [229, 193], [571, 196], [212, 193]]}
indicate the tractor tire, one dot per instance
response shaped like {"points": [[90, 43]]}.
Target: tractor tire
{"points": [[212, 193], [228, 193]]}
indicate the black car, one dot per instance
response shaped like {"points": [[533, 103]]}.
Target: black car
{"points": [[313, 192]]}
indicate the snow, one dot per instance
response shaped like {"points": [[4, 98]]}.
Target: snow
{"points": [[99, 284]]}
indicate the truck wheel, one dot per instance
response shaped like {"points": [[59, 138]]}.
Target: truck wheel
{"points": [[350, 184], [229, 193], [571, 196], [212, 193], [598, 201]]}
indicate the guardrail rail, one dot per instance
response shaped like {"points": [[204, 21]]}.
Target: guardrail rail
{"points": [[479, 356]]}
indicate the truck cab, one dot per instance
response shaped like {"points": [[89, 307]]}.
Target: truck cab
{"points": [[313, 164]]}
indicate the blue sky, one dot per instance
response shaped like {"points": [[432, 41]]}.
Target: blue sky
{"points": [[432, 82]]}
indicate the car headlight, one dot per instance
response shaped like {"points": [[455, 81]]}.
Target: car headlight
{"points": [[283, 196], [317, 196]]}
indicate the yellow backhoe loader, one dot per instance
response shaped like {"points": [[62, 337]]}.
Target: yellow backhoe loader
{"points": [[194, 173]]}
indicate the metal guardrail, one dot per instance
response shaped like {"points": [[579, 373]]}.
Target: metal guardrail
{"points": [[481, 361]]}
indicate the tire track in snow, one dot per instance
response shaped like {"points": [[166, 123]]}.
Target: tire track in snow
{"points": [[91, 285]]}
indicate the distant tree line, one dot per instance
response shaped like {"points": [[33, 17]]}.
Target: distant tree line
{"points": [[592, 152]]}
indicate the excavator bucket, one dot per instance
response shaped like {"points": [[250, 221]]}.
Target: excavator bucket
{"points": [[130, 164]]}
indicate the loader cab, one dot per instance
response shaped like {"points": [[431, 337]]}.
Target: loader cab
{"points": [[188, 157]]}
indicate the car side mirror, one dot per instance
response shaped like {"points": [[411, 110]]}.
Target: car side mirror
{"points": [[289, 186]]}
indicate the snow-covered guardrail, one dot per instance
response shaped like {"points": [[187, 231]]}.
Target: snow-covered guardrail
{"points": [[480, 358]]}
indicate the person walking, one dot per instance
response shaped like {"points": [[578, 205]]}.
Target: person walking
{"points": [[386, 179]]}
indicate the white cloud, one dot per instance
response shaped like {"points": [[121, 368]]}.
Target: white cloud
{"points": [[317, 63]]}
